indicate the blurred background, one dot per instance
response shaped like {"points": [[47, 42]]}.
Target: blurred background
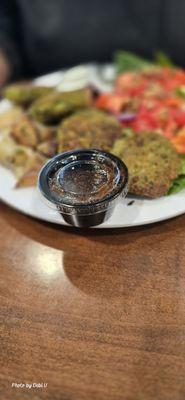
{"points": [[40, 36]]}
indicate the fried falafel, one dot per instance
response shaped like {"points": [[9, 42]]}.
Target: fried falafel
{"points": [[24, 95], [152, 162], [89, 128], [52, 108]]}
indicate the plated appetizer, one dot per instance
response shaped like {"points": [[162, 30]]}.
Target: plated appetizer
{"points": [[142, 121]]}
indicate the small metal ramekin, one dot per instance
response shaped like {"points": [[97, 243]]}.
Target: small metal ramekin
{"points": [[75, 212]]}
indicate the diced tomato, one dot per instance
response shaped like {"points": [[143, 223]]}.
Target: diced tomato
{"points": [[101, 101], [179, 117], [179, 76], [174, 81], [144, 124], [180, 148], [125, 80], [180, 137], [116, 103], [174, 102], [111, 102], [170, 129], [151, 94], [179, 141]]}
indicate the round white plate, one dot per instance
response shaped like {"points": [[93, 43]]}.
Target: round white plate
{"points": [[129, 212]]}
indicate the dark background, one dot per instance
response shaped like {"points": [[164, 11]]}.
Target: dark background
{"points": [[39, 36]]}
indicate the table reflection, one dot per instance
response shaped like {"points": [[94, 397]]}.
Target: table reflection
{"points": [[50, 264]]}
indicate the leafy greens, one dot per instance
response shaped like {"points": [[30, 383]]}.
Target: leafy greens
{"points": [[179, 183], [127, 61]]}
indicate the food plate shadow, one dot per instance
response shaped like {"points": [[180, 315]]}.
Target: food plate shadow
{"points": [[107, 277]]}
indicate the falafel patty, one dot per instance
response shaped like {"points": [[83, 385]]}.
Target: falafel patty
{"points": [[25, 94], [89, 128], [152, 162], [57, 105]]}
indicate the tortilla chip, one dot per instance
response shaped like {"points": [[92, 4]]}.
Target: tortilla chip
{"points": [[7, 148], [9, 117], [29, 177], [48, 148], [27, 180], [45, 132], [25, 132]]}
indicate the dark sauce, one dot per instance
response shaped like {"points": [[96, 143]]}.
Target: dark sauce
{"points": [[84, 182]]}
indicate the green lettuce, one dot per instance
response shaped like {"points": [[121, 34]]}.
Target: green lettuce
{"points": [[127, 61], [179, 183], [180, 91], [162, 59]]}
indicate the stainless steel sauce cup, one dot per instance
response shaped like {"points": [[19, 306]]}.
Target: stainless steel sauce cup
{"points": [[84, 185]]}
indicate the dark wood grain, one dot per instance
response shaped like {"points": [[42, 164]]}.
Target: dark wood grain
{"points": [[96, 315]]}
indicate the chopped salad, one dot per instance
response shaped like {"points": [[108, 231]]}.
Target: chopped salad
{"points": [[149, 96]]}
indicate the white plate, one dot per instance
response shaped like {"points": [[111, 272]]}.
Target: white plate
{"points": [[141, 212]]}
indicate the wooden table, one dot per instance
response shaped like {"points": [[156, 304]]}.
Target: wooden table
{"points": [[95, 315]]}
